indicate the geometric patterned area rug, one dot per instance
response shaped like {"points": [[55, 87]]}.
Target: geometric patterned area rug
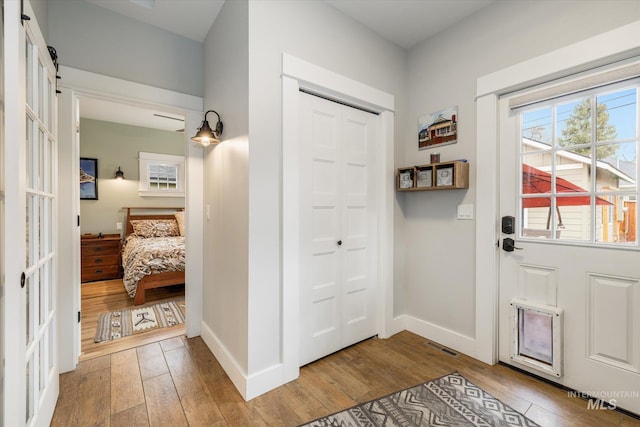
{"points": [[451, 400], [136, 320]]}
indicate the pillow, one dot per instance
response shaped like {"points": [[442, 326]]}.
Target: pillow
{"points": [[180, 220], [155, 227]]}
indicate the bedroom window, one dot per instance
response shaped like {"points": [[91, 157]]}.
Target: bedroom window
{"points": [[161, 175]]}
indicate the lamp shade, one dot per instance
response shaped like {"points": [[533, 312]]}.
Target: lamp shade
{"points": [[119, 174], [205, 134]]}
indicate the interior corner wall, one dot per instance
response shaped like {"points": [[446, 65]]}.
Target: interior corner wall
{"points": [[317, 33], [226, 188], [118, 145], [442, 72], [95, 39]]}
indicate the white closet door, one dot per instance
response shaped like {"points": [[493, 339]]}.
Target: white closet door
{"points": [[337, 227]]}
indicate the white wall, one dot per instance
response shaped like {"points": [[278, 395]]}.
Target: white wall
{"points": [[92, 38], [226, 188], [440, 282], [317, 33], [118, 145]]}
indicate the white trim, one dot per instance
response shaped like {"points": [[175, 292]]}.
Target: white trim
{"points": [[609, 47], [444, 336], [232, 368], [83, 83], [301, 74], [616, 45], [115, 89]]}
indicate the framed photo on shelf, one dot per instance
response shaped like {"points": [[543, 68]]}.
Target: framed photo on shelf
{"points": [[88, 178], [444, 177], [406, 179], [424, 178]]}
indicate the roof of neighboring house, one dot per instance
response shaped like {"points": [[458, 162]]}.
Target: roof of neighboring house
{"points": [[622, 169]]}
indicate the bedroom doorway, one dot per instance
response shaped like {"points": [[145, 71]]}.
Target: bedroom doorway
{"points": [[113, 137], [77, 85]]}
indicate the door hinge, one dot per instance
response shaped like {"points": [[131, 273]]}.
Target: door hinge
{"points": [[23, 16], [79, 317], [78, 220]]}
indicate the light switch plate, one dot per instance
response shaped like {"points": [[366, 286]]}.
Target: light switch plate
{"points": [[465, 211]]}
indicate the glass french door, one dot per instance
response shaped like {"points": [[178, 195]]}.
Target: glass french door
{"points": [[31, 374]]}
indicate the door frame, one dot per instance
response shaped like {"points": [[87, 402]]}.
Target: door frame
{"points": [[298, 74], [76, 83], [613, 46]]}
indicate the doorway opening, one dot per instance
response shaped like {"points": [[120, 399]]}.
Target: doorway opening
{"points": [[111, 137]]}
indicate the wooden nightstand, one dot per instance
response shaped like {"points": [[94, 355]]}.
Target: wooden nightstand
{"points": [[100, 257]]}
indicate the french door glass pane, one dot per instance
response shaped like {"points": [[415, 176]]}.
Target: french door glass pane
{"points": [[29, 391], [28, 326], [42, 140], [42, 356], [617, 165], [29, 170], [42, 308], [29, 71], [41, 89]]}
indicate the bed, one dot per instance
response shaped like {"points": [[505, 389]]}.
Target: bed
{"points": [[153, 255]]}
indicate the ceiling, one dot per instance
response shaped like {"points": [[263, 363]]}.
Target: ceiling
{"points": [[403, 22], [107, 111]]}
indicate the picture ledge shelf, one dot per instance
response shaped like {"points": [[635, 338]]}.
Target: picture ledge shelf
{"points": [[451, 175]]}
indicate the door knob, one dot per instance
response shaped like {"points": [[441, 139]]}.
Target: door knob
{"points": [[508, 245]]}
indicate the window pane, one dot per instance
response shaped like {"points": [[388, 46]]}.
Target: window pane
{"points": [[617, 115], [573, 173], [616, 167], [574, 218], [573, 123], [537, 128], [537, 217]]}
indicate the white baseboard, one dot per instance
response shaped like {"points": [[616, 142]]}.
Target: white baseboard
{"points": [[248, 386], [227, 361], [443, 336]]}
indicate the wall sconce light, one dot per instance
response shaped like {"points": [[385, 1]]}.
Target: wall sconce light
{"points": [[119, 174], [206, 135]]}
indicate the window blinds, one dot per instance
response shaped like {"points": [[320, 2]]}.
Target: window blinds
{"points": [[591, 81]]}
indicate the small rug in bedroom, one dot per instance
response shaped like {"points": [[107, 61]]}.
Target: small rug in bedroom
{"points": [[448, 401], [136, 320]]}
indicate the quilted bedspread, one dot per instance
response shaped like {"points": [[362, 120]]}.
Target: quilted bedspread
{"points": [[148, 255]]}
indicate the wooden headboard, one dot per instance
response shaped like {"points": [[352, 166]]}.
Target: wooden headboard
{"points": [[150, 215]]}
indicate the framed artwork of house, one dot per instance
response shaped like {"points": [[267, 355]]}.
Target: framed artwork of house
{"points": [[88, 179], [438, 129]]}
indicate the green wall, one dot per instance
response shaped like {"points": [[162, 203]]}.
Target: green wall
{"points": [[114, 145]]}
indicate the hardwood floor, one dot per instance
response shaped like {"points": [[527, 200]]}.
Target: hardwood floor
{"points": [[108, 295], [178, 382]]}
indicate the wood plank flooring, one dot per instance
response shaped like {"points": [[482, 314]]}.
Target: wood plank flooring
{"points": [[108, 295], [178, 382]]}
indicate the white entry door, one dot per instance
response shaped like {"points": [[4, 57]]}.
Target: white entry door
{"points": [[570, 289], [338, 222], [29, 237]]}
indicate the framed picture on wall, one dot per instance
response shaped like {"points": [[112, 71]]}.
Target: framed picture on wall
{"points": [[439, 128], [88, 179]]}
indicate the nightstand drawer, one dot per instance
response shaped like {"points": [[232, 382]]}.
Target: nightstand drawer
{"points": [[90, 274], [100, 260], [96, 248]]}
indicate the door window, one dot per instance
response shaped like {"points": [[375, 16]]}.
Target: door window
{"points": [[579, 169]]}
